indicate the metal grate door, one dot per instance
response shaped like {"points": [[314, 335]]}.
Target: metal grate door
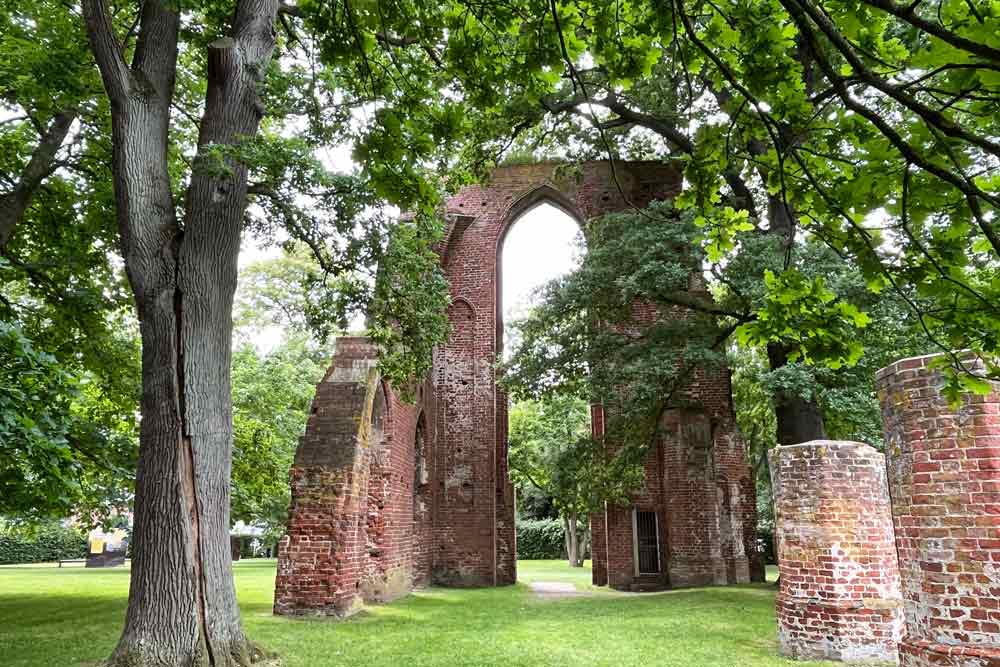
{"points": [[647, 542]]}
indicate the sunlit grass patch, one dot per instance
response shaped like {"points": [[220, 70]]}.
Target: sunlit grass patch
{"points": [[72, 616]]}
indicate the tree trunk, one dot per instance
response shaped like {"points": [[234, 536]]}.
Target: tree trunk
{"points": [[182, 607], [16, 202], [573, 538], [566, 543], [799, 420]]}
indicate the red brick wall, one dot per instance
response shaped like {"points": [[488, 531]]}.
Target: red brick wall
{"points": [[356, 532], [840, 593], [323, 554], [476, 546], [423, 505], [391, 530], [698, 482], [362, 527], [944, 474], [708, 503]]}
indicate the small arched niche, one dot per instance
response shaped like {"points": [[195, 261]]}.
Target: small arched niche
{"points": [[421, 466], [378, 413]]}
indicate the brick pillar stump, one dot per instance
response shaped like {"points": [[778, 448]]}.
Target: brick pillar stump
{"points": [[944, 472], [840, 594]]}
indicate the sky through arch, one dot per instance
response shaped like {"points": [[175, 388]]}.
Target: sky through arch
{"points": [[542, 244]]}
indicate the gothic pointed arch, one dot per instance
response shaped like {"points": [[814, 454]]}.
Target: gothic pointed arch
{"points": [[411, 487]]}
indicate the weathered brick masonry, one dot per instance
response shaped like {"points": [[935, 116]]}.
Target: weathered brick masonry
{"points": [[325, 551], [424, 496], [840, 593], [944, 477], [697, 482]]}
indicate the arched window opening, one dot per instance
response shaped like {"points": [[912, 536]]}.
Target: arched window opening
{"points": [[544, 243], [378, 413]]}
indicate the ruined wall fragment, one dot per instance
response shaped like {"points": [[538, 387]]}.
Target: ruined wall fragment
{"points": [[427, 499], [840, 595], [944, 473], [320, 558]]}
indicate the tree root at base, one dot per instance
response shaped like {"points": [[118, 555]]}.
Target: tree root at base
{"points": [[241, 654]]}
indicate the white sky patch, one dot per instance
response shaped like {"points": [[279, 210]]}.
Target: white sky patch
{"points": [[265, 339], [251, 251], [543, 244]]}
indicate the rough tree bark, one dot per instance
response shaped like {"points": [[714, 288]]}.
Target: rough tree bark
{"points": [[43, 159], [182, 607], [798, 420]]}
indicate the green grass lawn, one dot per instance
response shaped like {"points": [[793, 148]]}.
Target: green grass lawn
{"points": [[72, 616]]}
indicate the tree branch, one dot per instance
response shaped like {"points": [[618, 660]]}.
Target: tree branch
{"points": [[14, 203], [628, 116], [107, 52], [930, 116], [959, 181], [909, 15]]}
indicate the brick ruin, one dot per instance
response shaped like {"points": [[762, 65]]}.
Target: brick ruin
{"points": [[387, 495], [843, 565], [698, 497], [839, 596], [944, 473], [879, 557]]}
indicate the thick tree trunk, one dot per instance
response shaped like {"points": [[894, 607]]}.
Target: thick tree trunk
{"points": [[14, 203], [799, 420], [182, 602]]}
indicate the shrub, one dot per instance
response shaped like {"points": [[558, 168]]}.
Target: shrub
{"points": [[51, 542], [539, 539]]}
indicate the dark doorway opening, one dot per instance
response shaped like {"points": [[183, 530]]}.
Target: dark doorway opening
{"points": [[647, 542]]}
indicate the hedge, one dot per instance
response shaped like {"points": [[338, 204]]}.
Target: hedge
{"points": [[539, 539], [50, 543], [542, 539]]}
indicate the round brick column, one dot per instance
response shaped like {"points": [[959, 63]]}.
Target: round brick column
{"points": [[839, 597], [944, 472]]}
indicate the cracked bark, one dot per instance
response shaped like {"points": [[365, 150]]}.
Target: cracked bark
{"points": [[182, 607]]}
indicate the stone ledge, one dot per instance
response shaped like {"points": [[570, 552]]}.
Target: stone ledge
{"points": [[830, 444]]}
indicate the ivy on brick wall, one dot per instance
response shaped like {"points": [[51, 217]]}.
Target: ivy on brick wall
{"points": [[49, 543], [539, 539]]}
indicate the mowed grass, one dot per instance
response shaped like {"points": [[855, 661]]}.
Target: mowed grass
{"points": [[72, 616]]}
